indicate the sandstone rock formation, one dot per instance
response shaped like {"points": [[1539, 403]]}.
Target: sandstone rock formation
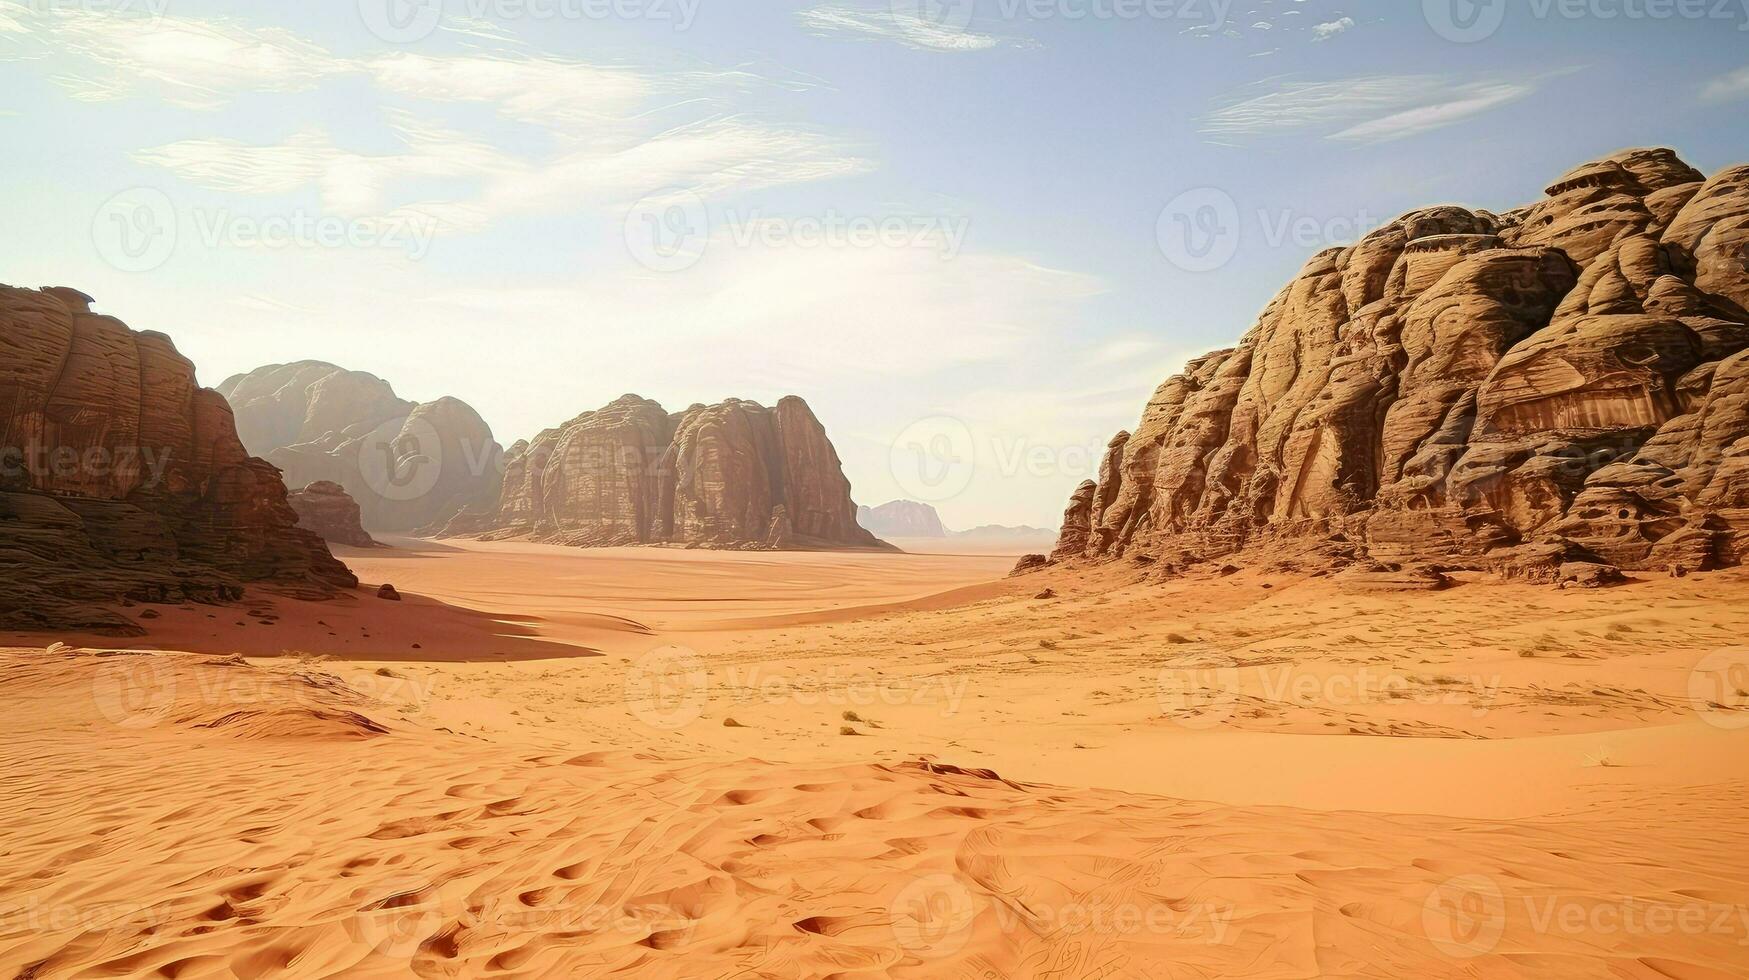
{"points": [[901, 519], [1568, 381], [731, 475], [122, 480], [327, 509], [408, 465]]}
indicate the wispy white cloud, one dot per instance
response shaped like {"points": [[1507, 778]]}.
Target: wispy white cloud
{"points": [[1368, 109], [1728, 88], [902, 26], [708, 157], [196, 64], [1329, 29], [565, 96], [609, 134]]}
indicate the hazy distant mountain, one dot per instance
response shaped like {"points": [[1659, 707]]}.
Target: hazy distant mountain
{"points": [[910, 519], [1001, 532], [901, 519]]}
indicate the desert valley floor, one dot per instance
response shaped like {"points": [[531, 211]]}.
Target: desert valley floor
{"points": [[559, 763]]}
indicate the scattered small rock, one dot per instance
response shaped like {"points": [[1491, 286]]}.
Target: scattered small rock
{"points": [[150, 614], [732, 723], [1589, 575], [388, 592], [1047, 594]]}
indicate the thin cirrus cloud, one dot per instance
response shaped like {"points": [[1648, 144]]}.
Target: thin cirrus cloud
{"points": [[1367, 109], [709, 156], [905, 27], [613, 134], [190, 64], [1728, 88]]}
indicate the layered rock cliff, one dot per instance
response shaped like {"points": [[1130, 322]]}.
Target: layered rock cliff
{"points": [[731, 475], [1569, 380], [327, 509], [408, 465], [122, 480]]}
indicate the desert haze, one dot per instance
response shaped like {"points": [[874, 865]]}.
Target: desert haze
{"points": [[543, 491]]}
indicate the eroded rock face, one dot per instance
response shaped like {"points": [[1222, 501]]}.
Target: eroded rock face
{"points": [[1563, 382], [731, 475], [408, 465], [123, 480], [327, 509]]}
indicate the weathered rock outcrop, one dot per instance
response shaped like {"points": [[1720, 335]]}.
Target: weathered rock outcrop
{"points": [[1568, 380], [901, 519], [123, 480], [732, 475], [408, 465], [327, 509]]}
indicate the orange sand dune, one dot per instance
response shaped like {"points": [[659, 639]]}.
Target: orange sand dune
{"points": [[673, 763], [324, 834]]}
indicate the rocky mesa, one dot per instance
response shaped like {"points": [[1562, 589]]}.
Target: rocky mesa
{"points": [[902, 519], [731, 475], [1568, 381], [407, 464], [122, 480]]}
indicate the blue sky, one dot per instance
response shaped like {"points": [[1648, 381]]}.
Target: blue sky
{"points": [[957, 229]]}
